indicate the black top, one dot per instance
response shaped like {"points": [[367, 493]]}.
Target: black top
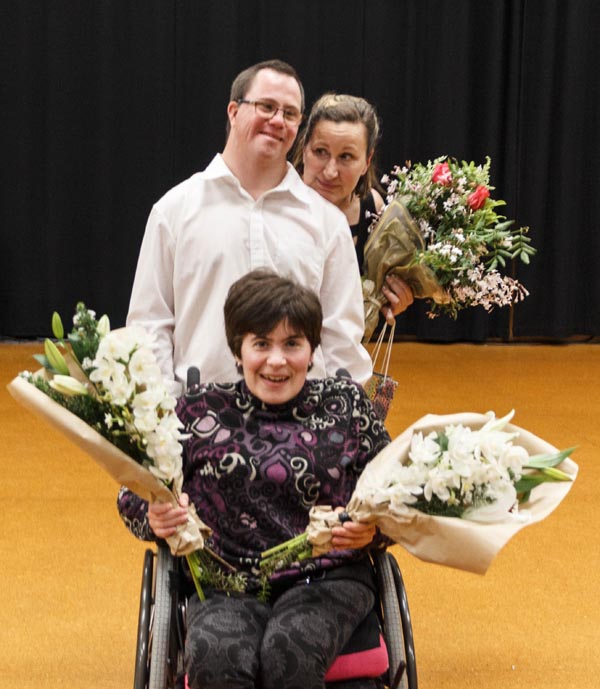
{"points": [[360, 230]]}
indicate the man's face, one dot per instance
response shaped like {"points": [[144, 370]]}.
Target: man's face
{"points": [[260, 135]]}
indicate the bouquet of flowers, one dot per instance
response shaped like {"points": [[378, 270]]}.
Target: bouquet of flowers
{"points": [[104, 390], [451, 490], [440, 232]]}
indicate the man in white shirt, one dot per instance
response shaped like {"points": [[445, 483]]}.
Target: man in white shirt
{"points": [[247, 209]]}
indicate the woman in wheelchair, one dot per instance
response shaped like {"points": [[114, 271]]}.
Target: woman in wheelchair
{"points": [[261, 452]]}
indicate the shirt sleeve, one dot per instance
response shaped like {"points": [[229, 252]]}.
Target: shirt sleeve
{"points": [[152, 298], [134, 513], [342, 302]]}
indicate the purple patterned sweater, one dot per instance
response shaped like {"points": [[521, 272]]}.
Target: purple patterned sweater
{"points": [[254, 470]]}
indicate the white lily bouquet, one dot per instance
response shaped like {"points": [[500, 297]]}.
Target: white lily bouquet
{"points": [[451, 490], [104, 390]]}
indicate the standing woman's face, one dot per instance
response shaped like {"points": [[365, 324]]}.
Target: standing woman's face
{"points": [[335, 159]]}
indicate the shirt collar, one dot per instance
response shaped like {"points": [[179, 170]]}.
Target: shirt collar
{"points": [[291, 183]]}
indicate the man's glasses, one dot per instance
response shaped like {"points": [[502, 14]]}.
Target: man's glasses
{"points": [[269, 110]]}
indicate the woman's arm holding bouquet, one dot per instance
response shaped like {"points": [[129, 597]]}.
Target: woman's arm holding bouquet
{"points": [[399, 297]]}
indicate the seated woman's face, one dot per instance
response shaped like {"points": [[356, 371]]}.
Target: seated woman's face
{"points": [[335, 159], [275, 366]]}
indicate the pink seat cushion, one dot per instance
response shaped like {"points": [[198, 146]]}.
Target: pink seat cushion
{"points": [[372, 662]]}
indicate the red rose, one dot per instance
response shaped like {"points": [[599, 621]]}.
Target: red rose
{"points": [[477, 199], [442, 175]]}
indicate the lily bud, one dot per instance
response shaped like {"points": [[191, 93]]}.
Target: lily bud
{"points": [[103, 327], [57, 326], [55, 358], [68, 385]]}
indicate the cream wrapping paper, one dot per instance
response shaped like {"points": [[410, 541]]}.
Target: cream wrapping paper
{"points": [[123, 469], [450, 541]]}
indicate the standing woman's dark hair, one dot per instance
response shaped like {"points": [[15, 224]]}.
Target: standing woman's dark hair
{"points": [[259, 301], [340, 107]]}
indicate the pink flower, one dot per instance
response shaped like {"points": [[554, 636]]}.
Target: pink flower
{"points": [[477, 199], [442, 175]]}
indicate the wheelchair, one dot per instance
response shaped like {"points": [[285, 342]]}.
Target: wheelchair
{"points": [[161, 627], [162, 617]]}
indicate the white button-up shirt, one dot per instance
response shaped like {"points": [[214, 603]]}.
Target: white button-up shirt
{"points": [[206, 233]]}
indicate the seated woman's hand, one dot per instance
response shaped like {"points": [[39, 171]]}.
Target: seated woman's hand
{"points": [[164, 518], [399, 297], [352, 535]]}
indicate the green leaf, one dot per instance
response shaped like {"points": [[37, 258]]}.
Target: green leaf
{"points": [[43, 360], [524, 497], [524, 257], [442, 441], [540, 461], [528, 483], [57, 326], [55, 358]]}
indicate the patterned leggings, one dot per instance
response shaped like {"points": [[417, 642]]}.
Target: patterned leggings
{"points": [[238, 642]]}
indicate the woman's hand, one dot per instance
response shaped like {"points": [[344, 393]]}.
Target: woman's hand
{"points": [[351, 534], [399, 296], [164, 518]]}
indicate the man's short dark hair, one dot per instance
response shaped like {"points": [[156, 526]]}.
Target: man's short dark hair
{"points": [[242, 83], [259, 301]]}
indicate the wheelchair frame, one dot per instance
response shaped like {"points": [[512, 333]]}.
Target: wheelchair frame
{"points": [[161, 623]]}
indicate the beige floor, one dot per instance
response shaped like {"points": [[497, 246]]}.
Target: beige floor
{"points": [[70, 572]]}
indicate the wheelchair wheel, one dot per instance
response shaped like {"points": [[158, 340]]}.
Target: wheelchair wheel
{"points": [[409, 643], [159, 654], [140, 680], [397, 628]]}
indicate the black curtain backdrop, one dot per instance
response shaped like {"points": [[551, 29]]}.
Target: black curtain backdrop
{"points": [[108, 104]]}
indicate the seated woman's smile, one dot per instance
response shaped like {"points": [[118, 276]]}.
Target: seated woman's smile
{"points": [[275, 365]]}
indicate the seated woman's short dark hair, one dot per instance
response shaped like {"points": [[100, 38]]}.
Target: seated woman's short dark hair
{"points": [[259, 301]]}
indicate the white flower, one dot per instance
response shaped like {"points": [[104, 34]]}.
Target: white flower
{"points": [[513, 459], [105, 370], [143, 367], [440, 482], [424, 450], [119, 388], [91, 313]]}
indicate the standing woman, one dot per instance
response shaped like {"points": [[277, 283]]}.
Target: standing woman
{"points": [[335, 156]]}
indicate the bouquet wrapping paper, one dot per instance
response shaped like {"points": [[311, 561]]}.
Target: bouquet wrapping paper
{"points": [[124, 470], [454, 542]]}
